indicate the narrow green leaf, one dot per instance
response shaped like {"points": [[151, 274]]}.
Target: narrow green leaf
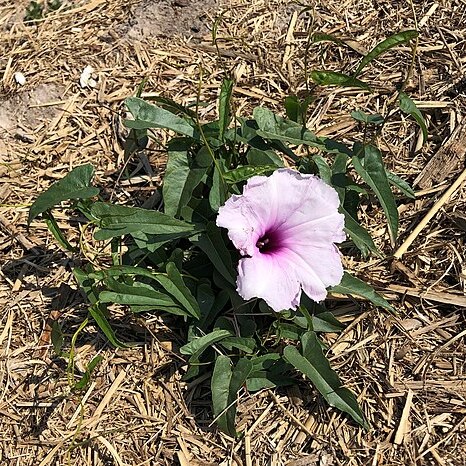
{"points": [[276, 128], [387, 44], [136, 294], [197, 346], [53, 227], [98, 315], [95, 361], [376, 119], [176, 175], [368, 162], [296, 109], [350, 285], [74, 185], [118, 220], [245, 344], [57, 338], [226, 91], [220, 386], [147, 115], [315, 366], [360, 236], [401, 184], [408, 106], [173, 283], [217, 193], [257, 157], [325, 171], [225, 385], [172, 106], [245, 172], [334, 78], [212, 244], [326, 322], [268, 371]]}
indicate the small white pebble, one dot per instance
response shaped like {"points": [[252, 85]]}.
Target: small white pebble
{"points": [[20, 78], [85, 79]]}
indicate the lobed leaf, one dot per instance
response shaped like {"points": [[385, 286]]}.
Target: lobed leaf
{"points": [[225, 385], [350, 285], [315, 366], [74, 185], [118, 220], [212, 244], [147, 115]]}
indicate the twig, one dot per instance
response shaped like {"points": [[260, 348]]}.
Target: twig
{"points": [[435, 208]]}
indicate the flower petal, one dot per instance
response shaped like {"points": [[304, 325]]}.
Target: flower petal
{"points": [[267, 276], [316, 268]]}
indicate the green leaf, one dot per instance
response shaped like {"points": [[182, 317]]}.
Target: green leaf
{"points": [[268, 371], [245, 344], [387, 44], [74, 185], [173, 283], [212, 244], [296, 109], [368, 162], [118, 220], [325, 171], [136, 140], [147, 115], [245, 172], [197, 346], [225, 385], [315, 366], [172, 106], [226, 91], [53, 227], [326, 322], [217, 193], [57, 338], [98, 315], [401, 184], [376, 119], [95, 361], [409, 107], [360, 236], [275, 127], [287, 330], [350, 285], [176, 175], [334, 78], [257, 157], [136, 294]]}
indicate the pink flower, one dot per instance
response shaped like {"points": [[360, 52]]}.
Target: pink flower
{"points": [[285, 226]]}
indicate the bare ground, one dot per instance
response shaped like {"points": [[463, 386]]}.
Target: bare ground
{"points": [[409, 371]]}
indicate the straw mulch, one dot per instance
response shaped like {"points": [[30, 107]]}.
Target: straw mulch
{"points": [[408, 370]]}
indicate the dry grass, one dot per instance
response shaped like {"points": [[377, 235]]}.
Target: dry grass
{"points": [[409, 371]]}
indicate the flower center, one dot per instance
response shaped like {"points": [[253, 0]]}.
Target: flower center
{"points": [[269, 242]]}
